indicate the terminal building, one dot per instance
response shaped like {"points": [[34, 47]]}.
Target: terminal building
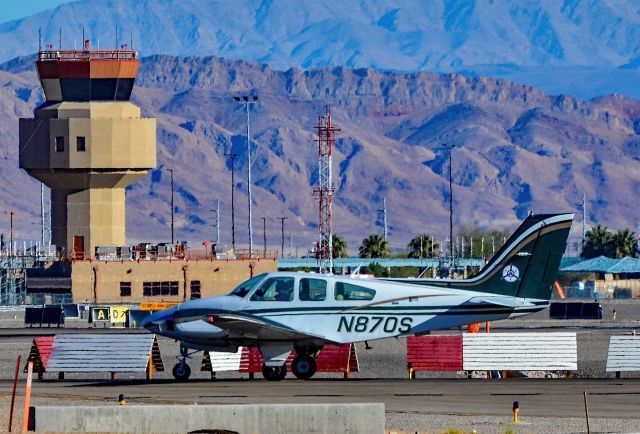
{"points": [[87, 142]]}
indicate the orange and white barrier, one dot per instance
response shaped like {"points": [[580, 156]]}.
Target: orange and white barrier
{"points": [[332, 358]]}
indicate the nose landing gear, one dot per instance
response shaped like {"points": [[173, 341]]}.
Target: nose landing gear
{"points": [[274, 373], [181, 371]]}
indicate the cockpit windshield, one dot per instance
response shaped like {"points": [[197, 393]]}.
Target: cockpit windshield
{"points": [[245, 287]]}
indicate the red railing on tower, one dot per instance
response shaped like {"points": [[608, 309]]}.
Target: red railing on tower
{"points": [[84, 55]]}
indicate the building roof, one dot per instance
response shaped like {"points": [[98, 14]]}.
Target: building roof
{"points": [[626, 265], [284, 264], [603, 264], [567, 261]]}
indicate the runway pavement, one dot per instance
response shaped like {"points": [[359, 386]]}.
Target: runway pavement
{"points": [[555, 398]]}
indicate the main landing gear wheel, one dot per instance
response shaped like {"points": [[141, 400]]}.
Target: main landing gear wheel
{"points": [[181, 371], [304, 367], [274, 373]]}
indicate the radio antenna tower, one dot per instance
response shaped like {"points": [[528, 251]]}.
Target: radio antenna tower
{"points": [[324, 192]]}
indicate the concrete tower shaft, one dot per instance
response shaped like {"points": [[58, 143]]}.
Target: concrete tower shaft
{"points": [[87, 142]]}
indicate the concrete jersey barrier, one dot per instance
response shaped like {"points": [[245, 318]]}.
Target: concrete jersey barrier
{"points": [[263, 418]]}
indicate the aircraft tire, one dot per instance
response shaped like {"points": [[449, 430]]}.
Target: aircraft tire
{"points": [[271, 373], [304, 367], [181, 372]]}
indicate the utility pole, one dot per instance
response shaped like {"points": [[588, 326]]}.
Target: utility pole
{"points": [[216, 220], [42, 214], [450, 148], [386, 225], [584, 218], [290, 243], [384, 218], [282, 219], [172, 208], [264, 236], [11, 233], [233, 206], [247, 101], [172, 233]]}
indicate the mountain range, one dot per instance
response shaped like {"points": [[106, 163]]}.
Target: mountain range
{"points": [[517, 150], [584, 48]]}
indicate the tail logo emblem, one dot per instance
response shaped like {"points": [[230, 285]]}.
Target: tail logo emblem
{"points": [[510, 273]]}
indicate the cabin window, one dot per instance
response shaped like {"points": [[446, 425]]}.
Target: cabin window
{"points": [[245, 287], [347, 291], [125, 289], [312, 290], [195, 289], [60, 144], [275, 289], [81, 145]]}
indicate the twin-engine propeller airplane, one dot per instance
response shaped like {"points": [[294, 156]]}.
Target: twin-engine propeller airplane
{"points": [[278, 312]]}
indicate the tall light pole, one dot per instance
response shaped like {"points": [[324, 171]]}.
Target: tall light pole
{"points": [[42, 215], [233, 206], [247, 101], [385, 230], [172, 233], [216, 220], [11, 252], [584, 218], [264, 236], [384, 218], [282, 219], [450, 148], [218, 223]]}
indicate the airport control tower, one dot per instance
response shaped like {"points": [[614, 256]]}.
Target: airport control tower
{"points": [[87, 142]]}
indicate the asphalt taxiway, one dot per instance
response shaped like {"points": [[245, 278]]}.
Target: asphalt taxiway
{"points": [[537, 397]]}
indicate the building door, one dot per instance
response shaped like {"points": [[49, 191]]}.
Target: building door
{"points": [[78, 247]]}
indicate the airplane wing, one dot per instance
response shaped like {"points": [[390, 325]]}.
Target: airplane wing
{"points": [[241, 325]]}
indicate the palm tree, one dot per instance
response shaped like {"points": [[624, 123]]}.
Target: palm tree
{"points": [[422, 246], [598, 242], [374, 246], [624, 243], [340, 247]]}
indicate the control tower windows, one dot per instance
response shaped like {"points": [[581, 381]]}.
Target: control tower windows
{"points": [[81, 144], [60, 144]]}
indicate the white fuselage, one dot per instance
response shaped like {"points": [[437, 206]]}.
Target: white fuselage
{"points": [[394, 309]]}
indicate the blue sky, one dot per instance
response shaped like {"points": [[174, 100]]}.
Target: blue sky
{"points": [[15, 9]]}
